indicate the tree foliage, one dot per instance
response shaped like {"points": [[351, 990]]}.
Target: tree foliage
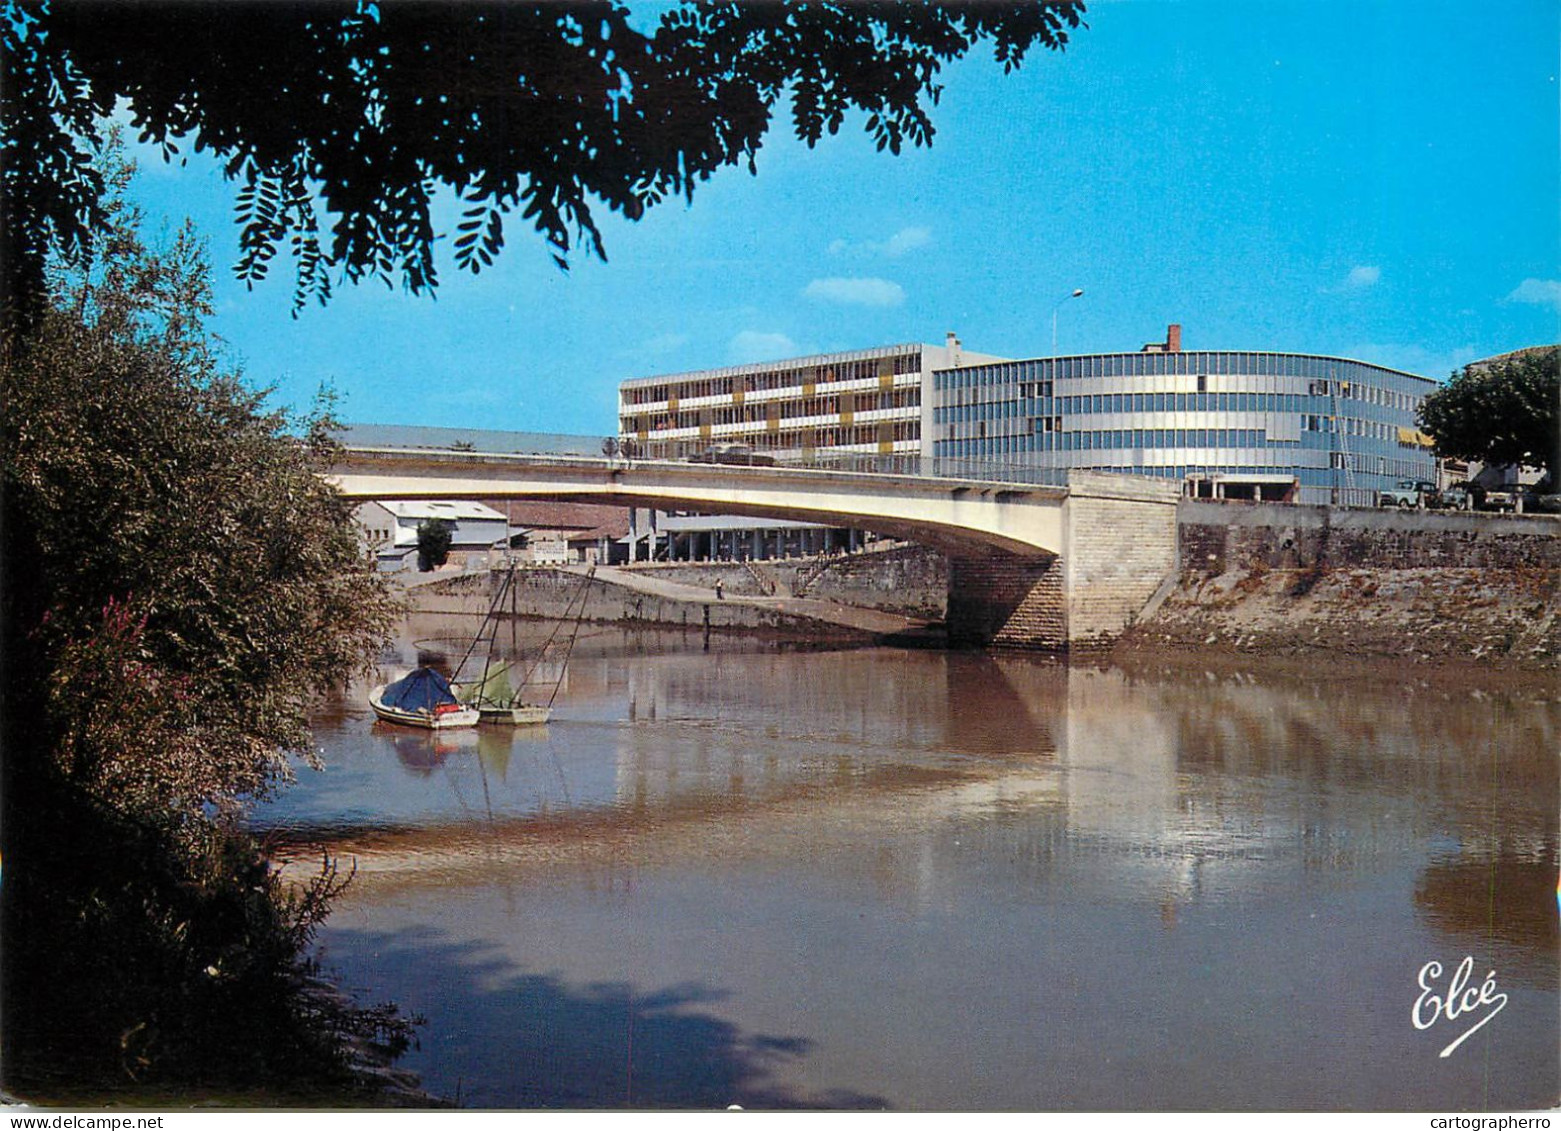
{"points": [[434, 536], [363, 110], [1503, 411], [192, 581], [179, 585]]}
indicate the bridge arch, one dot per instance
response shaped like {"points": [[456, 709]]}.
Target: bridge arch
{"points": [[953, 515], [1056, 568]]}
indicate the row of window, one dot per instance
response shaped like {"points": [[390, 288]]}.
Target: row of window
{"points": [[1158, 438], [1322, 425], [1146, 439], [775, 411], [797, 439], [1369, 466], [1350, 426], [1005, 448], [1189, 363], [1136, 403], [791, 377]]}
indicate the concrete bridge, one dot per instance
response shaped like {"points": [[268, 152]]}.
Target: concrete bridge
{"points": [[1055, 568]]}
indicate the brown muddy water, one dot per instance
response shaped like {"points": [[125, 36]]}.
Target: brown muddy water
{"points": [[951, 881]]}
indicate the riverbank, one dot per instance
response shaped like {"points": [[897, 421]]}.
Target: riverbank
{"points": [[1425, 617], [1465, 589]]}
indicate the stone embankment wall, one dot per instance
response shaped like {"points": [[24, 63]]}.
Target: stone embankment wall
{"points": [[553, 593], [1424, 587], [910, 580], [1216, 537]]}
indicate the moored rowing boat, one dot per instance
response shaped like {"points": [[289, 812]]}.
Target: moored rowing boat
{"points": [[422, 699]]}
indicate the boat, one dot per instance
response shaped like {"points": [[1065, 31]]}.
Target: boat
{"points": [[489, 690], [422, 698], [495, 700]]}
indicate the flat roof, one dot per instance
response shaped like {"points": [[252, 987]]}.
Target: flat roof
{"points": [[781, 363], [476, 439]]}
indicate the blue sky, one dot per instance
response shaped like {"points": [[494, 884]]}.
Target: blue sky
{"points": [[1377, 179]]}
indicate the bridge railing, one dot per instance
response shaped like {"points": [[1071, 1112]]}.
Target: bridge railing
{"points": [[931, 467], [908, 464]]}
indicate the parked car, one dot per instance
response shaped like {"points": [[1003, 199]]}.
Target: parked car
{"points": [[1503, 498], [733, 453], [1458, 497], [1408, 493]]}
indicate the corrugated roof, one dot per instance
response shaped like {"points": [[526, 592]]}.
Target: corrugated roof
{"points": [[454, 509]]}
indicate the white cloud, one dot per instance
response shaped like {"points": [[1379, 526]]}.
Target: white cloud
{"points": [[757, 345], [856, 292], [665, 343], [903, 242], [907, 239], [1539, 292], [1362, 277]]}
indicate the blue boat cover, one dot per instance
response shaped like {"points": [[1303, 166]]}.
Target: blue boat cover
{"points": [[424, 689]]}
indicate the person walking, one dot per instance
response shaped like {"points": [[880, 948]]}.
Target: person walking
{"points": [[719, 587]]}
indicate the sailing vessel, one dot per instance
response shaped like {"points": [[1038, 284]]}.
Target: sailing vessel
{"points": [[496, 702], [490, 691], [422, 698]]}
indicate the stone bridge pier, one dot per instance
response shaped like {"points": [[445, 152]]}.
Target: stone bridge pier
{"points": [[1118, 549]]}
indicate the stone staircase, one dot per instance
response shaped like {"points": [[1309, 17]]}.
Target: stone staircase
{"points": [[805, 577]]}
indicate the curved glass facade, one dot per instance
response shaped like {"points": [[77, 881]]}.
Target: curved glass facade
{"points": [[1233, 424]]}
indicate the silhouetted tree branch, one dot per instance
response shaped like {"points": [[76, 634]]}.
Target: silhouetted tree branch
{"points": [[362, 111]]}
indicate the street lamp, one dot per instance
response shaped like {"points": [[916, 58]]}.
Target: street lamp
{"points": [[1077, 292]]}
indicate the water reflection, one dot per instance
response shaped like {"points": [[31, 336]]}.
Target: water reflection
{"points": [[927, 880]]}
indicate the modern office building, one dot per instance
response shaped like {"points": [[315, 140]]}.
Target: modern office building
{"points": [[862, 402], [1226, 423], [1231, 424]]}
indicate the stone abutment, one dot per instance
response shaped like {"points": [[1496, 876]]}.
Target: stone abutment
{"points": [[1119, 547]]}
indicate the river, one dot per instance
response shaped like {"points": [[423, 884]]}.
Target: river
{"points": [[731, 873]]}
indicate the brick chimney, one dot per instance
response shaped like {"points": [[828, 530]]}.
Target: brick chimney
{"points": [[1173, 338]]}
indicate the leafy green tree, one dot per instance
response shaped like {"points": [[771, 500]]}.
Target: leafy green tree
{"points": [[433, 543], [178, 585], [1502, 411], [546, 108]]}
